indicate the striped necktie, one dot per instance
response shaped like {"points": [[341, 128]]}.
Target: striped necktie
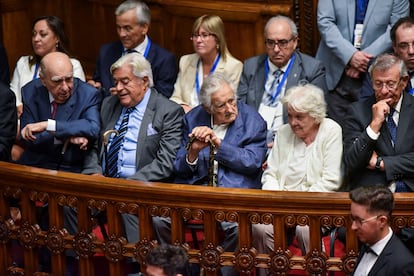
{"points": [[113, 152], [269, 101]]}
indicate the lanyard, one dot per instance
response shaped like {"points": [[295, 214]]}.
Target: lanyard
{"points": [[285, 74], [36, 70], [146, 48], [216, 61]]}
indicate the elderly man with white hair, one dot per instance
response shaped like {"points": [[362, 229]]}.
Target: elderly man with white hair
{"points": [[306, 156]]}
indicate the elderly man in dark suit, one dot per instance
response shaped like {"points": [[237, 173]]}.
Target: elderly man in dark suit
{"points": [[266, 77], [133, 19], [378, 136], [59, 111], [149, 131], [382, 253]]}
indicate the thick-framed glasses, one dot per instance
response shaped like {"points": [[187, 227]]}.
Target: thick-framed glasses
{"points": [[203, 36], [390, 85], [359, 221], [404, 46], [281, 43]]}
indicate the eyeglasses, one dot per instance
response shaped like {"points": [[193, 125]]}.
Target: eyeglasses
{"points": [[390, 85], [405, 45], [203, 36], [359, 221], [281, 43]]}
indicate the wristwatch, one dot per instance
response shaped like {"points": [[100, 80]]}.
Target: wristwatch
{"points": [[378, 164]]}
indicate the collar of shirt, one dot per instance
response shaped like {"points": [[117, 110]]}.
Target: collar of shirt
{"points": [[273, 67], [142, 105], [379, 246], [141, 47]]}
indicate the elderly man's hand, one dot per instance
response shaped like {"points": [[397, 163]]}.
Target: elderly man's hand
{"points": [[30, 130], [202, 136], [379, 111], [81, 141]]}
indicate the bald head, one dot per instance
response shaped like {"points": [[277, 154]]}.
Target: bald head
{"points": [[56, 74]]}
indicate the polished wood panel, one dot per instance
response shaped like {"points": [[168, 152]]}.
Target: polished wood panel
{"points": [[91, 23], [179, 202]]}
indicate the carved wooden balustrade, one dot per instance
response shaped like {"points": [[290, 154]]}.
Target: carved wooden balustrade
{"points": [[180, 202]]}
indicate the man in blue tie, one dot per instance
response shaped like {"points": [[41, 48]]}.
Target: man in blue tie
{"points": [[378, 136], [148, 131]]}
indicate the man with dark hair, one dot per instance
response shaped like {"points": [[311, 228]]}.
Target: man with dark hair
{"points": [[371, 208], [167, 260]]}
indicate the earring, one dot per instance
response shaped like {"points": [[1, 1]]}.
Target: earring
{"points": [[57, 45], [218, 46]]}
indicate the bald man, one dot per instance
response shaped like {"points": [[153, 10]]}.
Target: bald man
{"points": [[59, 111]]}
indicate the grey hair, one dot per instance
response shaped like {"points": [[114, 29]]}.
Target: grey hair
{"points": [[385, 61], [212, 84], [307, 98], [292, 25], [140, 66], [142, 11]]}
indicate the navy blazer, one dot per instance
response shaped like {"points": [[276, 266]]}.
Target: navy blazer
{"points": [[78, 116], [358, 146], [163, 64], [240, 155], [395, 259], [252, 81]]}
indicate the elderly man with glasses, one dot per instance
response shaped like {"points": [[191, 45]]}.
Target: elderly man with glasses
{"points": [[378, 136], [266, 77]]}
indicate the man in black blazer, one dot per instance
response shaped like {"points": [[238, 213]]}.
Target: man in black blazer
{"points": [[382, 253], [133, 19], [371, 155]]}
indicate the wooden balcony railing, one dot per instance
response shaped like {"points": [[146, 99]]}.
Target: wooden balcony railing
{"points": [[181, 203]]}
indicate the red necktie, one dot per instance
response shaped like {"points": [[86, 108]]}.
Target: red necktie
{"points": [[54, 109]]}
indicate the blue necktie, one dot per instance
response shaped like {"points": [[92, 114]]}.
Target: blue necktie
{"points": [[269, 98], [113, 152], [392, 127]]}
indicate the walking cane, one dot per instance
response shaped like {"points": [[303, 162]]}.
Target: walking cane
{"points": [[100, 216], [211, 176]]}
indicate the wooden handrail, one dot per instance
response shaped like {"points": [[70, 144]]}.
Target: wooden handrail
{"points": [[180, 202]]}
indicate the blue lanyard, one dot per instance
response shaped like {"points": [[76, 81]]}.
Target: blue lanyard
{"points": [[36, 70], [211, 71], [285, 74], [146, 48]]}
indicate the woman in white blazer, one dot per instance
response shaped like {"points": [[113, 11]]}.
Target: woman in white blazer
{"points": [[306, 156], [211, 55]]}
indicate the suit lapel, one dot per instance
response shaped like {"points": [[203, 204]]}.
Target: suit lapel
{"points": [[43, 102], [146, 120], [261, 79], [403, 125], [351, 17]]}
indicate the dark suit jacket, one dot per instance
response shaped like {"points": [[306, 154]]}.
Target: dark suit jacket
{"points": [[158, 141], [163, 64], [240, 155], [398, 160], [395, 259], [8, 121], [78, 116], [252, 80], [4, 66]]}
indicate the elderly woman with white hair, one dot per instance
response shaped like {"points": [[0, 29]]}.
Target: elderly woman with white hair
{"points": [[306, 156]]}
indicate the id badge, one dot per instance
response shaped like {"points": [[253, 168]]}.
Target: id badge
{"points": [[358, 35]]}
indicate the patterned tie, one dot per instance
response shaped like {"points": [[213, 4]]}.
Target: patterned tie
{"points": [[113, 152], [392, 127], [54, 110], [269, 98]]}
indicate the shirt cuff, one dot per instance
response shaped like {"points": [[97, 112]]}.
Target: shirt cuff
{"points": [[51, 125], [191, 163], [372, 134]]}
